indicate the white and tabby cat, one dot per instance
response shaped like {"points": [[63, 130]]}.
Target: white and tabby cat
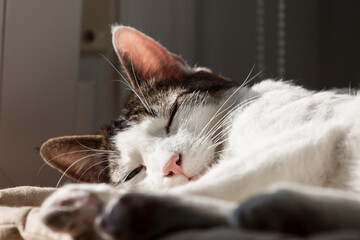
{"points": [[194, 145]]}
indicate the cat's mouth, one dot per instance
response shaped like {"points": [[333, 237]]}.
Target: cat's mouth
{"points": [[197, 176], [200, 173]]}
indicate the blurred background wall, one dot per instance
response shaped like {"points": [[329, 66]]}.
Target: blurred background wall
{"points": [[56, 79]]}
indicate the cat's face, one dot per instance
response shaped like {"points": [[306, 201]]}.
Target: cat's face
{"points": [[168, 132], [174, 127]]}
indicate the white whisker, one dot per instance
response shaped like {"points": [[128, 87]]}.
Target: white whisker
{"points": [[102, 171], [218, 143], [246, 81], [146, 104], [73, 152], [127, 83], [224, 120], [209, 133], [71, 165], [95, 164]]}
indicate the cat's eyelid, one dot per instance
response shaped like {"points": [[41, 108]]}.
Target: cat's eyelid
{"points": [[133, 173], [174, 109]]}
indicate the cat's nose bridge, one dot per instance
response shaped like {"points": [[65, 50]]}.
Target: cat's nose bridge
{"points": [[173, 166]]}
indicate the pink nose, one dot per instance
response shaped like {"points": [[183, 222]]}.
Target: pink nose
{"points": [[173, 166]]}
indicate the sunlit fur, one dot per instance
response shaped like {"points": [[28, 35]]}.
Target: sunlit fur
{"points": [[230, 137], [235, 141], [279, 120]]}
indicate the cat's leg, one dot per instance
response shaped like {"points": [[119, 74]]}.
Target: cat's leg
{"points": [[233, 181], [73, 208], [299, 210], [98, 211], [302, 157], [148, 216]]}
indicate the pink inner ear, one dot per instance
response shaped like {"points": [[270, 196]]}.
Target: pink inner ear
{"points": [[148, 58]]}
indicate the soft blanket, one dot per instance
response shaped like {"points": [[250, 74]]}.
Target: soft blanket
{"points": [[19, 214], [19, 220]]}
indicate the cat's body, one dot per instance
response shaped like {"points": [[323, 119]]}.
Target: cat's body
{"points": [[287, 134], [203, 143]]}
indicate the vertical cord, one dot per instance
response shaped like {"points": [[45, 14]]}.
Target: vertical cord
{"points": [[281, 34], [2, 50], [117, 92], [261, 38]]}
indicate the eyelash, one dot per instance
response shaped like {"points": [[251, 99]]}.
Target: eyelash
{"points": [[133, 173], [172, 115]]}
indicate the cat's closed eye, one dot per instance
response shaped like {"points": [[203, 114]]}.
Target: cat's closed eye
{"points": [[172, 115], [133, 173]]}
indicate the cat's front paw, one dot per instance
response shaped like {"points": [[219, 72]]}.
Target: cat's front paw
{"points": [[281, 211], [138, 216], [73, 209]]}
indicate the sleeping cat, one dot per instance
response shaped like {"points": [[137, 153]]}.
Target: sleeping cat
{"points": [[193, 149]]}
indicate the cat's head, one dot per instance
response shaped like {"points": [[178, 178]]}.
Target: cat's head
{"points": [[168, 132]]}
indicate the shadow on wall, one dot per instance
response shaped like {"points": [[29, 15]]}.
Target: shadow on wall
{"points": [[315, 41]]}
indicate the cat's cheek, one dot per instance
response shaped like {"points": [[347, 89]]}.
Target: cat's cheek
{"points": [[155, 182], [196, 165]]}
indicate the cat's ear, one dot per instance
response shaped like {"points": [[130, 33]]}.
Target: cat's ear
{"points": [[78, 157], [144, 59]]}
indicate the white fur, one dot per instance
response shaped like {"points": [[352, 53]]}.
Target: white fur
{"points": [[235, 147], [286, 133], [148, 144]]}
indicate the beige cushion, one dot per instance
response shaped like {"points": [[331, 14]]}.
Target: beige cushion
{"points": [[19, 214]]}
